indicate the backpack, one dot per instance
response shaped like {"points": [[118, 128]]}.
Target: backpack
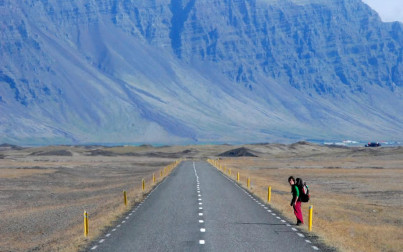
{"points": [[303, 190]]}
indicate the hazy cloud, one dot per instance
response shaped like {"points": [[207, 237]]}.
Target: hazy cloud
{"points": [[389, 10]]}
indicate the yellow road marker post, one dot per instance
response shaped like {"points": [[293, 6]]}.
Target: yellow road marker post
{"points": [[237, 177], [268, 194], [154, 178], [85, 224], [125, 198], [144, 184], [310, 217], [248, 182]]}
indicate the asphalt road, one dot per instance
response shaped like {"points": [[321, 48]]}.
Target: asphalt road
{"points": [[199, 209]]}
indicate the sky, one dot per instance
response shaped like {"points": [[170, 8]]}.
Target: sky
{"points": [[388, 10]]}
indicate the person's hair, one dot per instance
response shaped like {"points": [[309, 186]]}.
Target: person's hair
{"points": [[291, 178]]}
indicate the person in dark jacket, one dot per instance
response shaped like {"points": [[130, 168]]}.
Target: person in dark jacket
{"points": [[296, 202]]}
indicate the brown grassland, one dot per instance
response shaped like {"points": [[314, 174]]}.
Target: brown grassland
{"points": [[43, 195], [356, 192]]}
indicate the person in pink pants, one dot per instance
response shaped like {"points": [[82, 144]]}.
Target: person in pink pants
{"points": [[295, 202]]}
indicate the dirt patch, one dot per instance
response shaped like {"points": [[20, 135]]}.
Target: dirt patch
{"points": [[102, 153], [239, 152], [6, 146], [53, 153], [18, 173]]}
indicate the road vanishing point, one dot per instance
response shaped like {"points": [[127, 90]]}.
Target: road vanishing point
{"points": [[197, 208]]}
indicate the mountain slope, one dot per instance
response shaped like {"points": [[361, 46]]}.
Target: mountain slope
{"points": [[178, 71]]}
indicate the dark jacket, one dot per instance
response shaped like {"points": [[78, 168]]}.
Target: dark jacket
{"points": [[295, 194]]}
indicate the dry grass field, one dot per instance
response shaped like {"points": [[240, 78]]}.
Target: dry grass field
{"points": [[356, 192], [43, 195]]}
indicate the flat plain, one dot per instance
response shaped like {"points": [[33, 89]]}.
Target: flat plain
{"points": [[356, 192]]}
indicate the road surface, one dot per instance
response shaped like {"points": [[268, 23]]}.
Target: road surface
{"points": [[197, 208]]}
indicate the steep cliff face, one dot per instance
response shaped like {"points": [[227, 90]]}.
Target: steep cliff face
{"points": [[327, 47], [189, 70]]}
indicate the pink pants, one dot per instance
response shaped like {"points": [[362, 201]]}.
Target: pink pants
{"points": [[298, 212]]}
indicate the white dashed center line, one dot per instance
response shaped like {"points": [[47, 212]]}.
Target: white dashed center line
{"points": [[199, 199]]}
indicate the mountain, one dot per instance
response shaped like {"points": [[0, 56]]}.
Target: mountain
{"points": [[182, 71]]}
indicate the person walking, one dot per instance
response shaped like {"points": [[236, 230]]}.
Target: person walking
{"points": [[296, 202]]}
